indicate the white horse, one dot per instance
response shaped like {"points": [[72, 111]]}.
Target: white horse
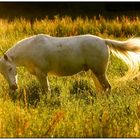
{"points": [[65, 56]]}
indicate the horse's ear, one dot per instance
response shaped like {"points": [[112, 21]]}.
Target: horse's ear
{"points": [[5, 57]]}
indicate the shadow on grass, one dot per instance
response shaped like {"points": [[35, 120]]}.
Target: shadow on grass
{"points": [[83, 90], [32, 95]]}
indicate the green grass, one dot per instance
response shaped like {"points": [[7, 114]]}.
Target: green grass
{"points": [[74, 109]]}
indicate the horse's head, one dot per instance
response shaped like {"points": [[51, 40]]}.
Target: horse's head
{"points": [[8, 70]]}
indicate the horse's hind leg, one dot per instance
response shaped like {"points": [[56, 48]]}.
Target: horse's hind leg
{"points": [[101, 81], [99, 67], [97, 83]]}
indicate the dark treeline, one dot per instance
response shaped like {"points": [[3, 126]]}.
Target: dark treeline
{"points": [[42, 9]]}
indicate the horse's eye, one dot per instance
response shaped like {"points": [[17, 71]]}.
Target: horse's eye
{"points": [[10, 69]]}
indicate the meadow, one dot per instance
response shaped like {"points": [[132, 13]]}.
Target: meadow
{"points": [[73, 109]]}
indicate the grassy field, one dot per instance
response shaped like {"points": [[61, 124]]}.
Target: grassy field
{"points": [[74, 109]]}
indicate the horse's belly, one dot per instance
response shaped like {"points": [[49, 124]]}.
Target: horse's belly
{"points": [[63, 73], [66, 71], [69, 70]]}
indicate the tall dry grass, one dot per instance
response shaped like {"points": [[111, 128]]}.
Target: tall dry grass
{"points": [[74, 108]]}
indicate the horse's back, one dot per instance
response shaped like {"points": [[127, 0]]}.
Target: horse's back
{"points": [[60, 55]]}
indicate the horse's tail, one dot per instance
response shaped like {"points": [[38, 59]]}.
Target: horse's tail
{"points": [[129, 52]]}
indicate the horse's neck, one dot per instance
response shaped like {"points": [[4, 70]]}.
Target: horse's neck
{"points": [[15, 55], [19, 50]]}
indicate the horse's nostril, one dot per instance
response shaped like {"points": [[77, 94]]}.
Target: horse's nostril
{"points": [[14, 87]]}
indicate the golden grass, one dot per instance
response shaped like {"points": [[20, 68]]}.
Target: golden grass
{"points": [[74, 109]]}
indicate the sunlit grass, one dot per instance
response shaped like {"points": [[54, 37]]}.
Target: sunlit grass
{"points": [[74, 109]]}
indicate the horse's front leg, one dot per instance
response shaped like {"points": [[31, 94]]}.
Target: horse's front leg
{"points": [[43, 79]]}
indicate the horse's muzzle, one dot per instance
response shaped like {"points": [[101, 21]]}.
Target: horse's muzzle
{"points": [[13, 87]]}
